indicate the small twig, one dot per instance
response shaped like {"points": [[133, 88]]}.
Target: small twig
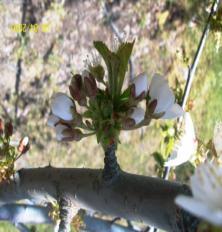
{"points": [[19, 62]]}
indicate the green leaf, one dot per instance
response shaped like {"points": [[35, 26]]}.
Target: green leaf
{"points": [[126, 94], [107, 57], [98, 72], [124, 53], [116, 63], [112, 62], [88, 114]]}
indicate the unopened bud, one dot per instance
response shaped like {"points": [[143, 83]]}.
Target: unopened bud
{"points": [[23, 146], [152, 106], [77, 91], [1, 127], [128, 123], [72, 135], [8, 129], [90, 86], [76, 87]]}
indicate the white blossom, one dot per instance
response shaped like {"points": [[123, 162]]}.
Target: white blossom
{"points": [[141, 84], [186, 147], [137, 115], [206, 186], [62, 106], [25, 141], [59, 131], [52, 120], [159, 90]]}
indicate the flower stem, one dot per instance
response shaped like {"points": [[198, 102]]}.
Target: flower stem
{"points": [[111, 167]]}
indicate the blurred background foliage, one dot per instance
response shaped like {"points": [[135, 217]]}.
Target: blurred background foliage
{"points": [[167, 35]]}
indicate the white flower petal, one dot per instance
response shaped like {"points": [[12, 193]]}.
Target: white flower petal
{"points": [[141, 83], [62, 106], [206, 184], [200, 209], [165, 99], [25, 141], [156, 84], [52, 120], [159, 90], [137, 115], [173, 112], [59, 130], [186, 147]]}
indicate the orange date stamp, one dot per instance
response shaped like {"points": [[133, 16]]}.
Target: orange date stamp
{"points": [[22, 28]]}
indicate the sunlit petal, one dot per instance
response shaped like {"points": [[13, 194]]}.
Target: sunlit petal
{"points": [[173, 112], [62, 106]]}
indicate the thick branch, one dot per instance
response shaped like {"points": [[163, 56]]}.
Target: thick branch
{"points": [[145, 199]]}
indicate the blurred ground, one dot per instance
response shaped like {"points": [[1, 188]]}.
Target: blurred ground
{"points": [[167, 35]]}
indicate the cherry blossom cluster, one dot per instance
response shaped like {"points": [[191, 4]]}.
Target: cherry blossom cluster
{"points": [[108, 107]]}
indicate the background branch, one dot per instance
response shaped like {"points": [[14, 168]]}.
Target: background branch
{"points": [[19, 62], [192, 68]]}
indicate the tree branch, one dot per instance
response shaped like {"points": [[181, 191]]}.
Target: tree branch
{"points": [[134, 197], [19, 62]]}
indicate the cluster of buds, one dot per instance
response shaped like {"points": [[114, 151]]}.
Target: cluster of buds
{"points": [[109, 110], [10, 151]]}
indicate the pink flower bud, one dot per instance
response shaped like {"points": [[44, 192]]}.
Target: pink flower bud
{"points": [[66, 133], [23, 146], [72, 135], [90, 86], [76, 90], [152, 106], [8, 129], [75, 87]]}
